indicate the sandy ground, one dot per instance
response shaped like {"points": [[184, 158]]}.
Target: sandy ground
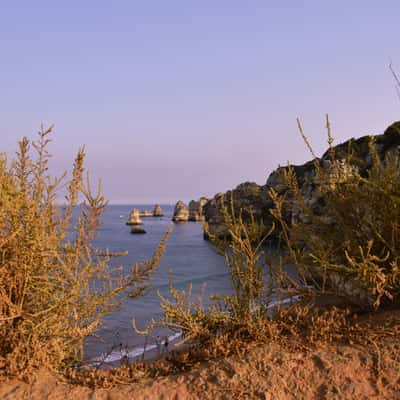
{"points": [[279, 370], [267, 372]]}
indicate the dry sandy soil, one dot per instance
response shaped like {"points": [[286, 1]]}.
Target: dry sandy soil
{"points": [[274, 371]]}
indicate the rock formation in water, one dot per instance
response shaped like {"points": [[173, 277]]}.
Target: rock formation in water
{"points": [[157, 211], [145, 213], [196, 209], [137, 229], [181, 212], [134, 218], [254, 198]]}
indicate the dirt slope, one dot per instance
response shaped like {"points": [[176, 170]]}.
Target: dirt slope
{"points": [[267, 372]]}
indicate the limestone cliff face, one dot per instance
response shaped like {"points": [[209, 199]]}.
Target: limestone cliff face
{"points": [[252, 197], [181, 212], [196, 209], [350, 158], [248, 196]]}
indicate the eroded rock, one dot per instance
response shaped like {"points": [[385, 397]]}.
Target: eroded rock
{"points": [[134, 218], [248, 197], [196, 209], [157, 211], [137, 229], [181, 212], [145, 213]]}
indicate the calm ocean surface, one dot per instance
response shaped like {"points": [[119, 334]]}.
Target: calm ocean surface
{"points": [[188, 256]]}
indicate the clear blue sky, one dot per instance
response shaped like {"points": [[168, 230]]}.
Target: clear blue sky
{"points": [[178, 99]]}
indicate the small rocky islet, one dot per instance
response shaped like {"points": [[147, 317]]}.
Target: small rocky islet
{"points": [[182, 213], [135, 216], [146, 213], [137, 229], [157, 211]]}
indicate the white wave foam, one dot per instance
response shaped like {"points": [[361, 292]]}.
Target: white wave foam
{"points": [[284, 301], [117, 355]]}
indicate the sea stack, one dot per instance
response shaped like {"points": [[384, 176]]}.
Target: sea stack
{"points": [[196, 209], [157, 212], [135, 229], [181, 212], [145, 213], [134, 218]]}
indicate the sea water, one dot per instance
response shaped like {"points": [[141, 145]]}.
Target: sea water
{"points": [[188, 259]]}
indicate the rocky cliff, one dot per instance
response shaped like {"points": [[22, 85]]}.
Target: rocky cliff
{"points": [[196, 209], [254, 198], [248, 197]]}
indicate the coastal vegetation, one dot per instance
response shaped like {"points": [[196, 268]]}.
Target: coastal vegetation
{"points": [[343, 243], [335, 260], [55, 283], [320, 271], [349, 244]]}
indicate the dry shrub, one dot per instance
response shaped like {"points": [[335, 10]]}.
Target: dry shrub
{"points": [[55, 284], [259, 282], [246, 262], [350, 249], [354, 240], [251, 292], [300, 327], [351, 243]]}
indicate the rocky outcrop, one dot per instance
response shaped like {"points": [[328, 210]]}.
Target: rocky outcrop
{"points": [[353, 157], [254, 198], [157, 211], [181, 212], [196, 209], [137, 229], [145, 213], [134, 218], [248, 197]]}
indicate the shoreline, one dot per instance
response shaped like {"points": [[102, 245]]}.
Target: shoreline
{"points": [[149, 352], [153, 351], [266, 371]]}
